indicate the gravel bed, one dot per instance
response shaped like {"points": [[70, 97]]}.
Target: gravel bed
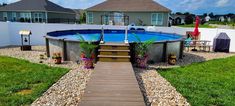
{"points": [[67, 91], [34, 56], [192, 57], [157, 91]]}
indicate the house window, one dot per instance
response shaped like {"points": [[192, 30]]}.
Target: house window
{"points": [[5, 16], [25, 17], [118, 18], [38, 17], [105, 19], [14, 16], [157, 19], [90, 17]]}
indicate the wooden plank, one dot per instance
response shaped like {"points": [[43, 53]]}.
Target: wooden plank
{"points": [[115, 47], [114, 44], [114, 53], [105, 50], [109, 103], [113, 84], [113, 56]]}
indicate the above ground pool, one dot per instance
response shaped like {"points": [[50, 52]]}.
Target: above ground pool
{"points": [[67, 42], [113, 35]]}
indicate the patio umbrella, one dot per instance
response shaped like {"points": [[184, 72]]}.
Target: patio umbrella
{"points": [[196, 30]]}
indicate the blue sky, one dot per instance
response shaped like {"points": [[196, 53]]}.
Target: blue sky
{"points": [[194, 6]]}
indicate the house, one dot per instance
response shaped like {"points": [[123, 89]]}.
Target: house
{"points": [[126, 12], [177, 19], [221, 18], [207, 18], [36, 11]]}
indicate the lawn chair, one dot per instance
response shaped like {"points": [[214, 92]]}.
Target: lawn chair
{"points": [[187, 43]]}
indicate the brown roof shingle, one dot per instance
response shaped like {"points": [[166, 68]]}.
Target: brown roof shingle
{"points": [[130, 6]]}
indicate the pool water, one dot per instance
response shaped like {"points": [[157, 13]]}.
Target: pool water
{"points": [[120, 37]]}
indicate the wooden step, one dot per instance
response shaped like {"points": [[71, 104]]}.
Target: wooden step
{"points": [[114, 47], [115, 44], [114, 59], [115, 53], [112, 56], [105, 50]]}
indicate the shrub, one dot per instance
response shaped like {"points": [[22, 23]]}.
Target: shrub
{"points": [[189, 19], [141, 48], [203, 21], [87, 48]]}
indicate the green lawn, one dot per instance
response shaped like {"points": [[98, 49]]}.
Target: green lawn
{"points": [[209, 83], [193, 25], [22, 82]]}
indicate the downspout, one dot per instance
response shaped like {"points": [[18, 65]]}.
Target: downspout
{"points": [[46, 17]]}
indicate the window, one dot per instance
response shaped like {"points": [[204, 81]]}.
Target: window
{"points": [[105, 19], [38, 17], [14, 16], [157, 19], [90, 17], [118, 18], [5, 16], [25, 17]]}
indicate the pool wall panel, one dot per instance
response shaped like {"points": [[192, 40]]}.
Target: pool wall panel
{"points": [[156, 53], [73, 51], [55, 46], [173, 48]]}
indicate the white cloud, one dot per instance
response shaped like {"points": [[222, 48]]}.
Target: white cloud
{"points": [[222, 3]]}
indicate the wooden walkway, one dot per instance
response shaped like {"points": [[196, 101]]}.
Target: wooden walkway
{"points": [[113, 84]]}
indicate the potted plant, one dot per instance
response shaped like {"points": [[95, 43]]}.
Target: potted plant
{"points": [[172, 59], [141, 49], [57, 58], [41, 56], [87, 53]]}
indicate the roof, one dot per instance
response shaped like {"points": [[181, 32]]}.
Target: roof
{"points": [[35, 5], [174, 16], [129, 6]]}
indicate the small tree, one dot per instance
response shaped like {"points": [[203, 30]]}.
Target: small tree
{"points": [[186, 13], [83, 18], [203, 21], [211, 14], [189, 19], [179, 13]]}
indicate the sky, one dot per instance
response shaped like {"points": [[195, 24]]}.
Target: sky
{"points": [[192, 6]]}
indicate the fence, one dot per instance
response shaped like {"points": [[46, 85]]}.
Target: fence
{"points": [[9, 31]]}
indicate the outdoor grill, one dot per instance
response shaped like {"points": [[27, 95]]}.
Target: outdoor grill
{"points": [[222, 43]]}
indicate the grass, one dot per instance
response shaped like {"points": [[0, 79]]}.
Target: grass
{"points": [[222, 23], [193, 25], [205, 84], [22, 82]]}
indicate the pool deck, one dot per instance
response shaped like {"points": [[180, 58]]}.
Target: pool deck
{"points": [[113, 84]]}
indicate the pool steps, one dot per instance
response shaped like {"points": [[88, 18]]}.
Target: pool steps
{"points": [[114, 52]]}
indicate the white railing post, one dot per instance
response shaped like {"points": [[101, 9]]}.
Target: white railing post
{"points": [[102, 34], [126, 35]]}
